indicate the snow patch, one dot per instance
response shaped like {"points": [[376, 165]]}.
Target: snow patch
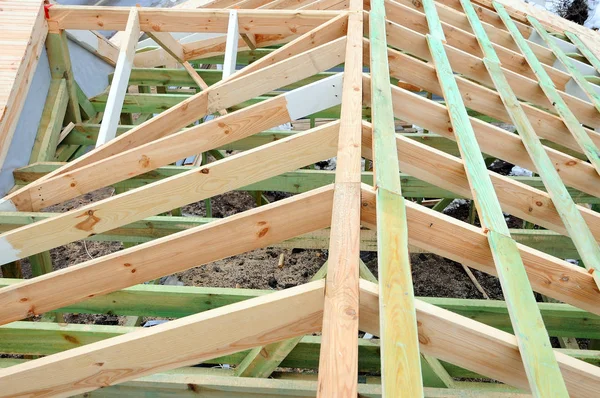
{"points": [[520, 172]]}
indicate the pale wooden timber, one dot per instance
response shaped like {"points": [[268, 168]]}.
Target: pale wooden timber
{"points": [[471, 345], [194, 185], [338, 361], [120, 82], [567, 115], [447, 172], [325, 33], [400, 359], [190, 110], [406, 16], [585, 50], [20, 48], [254, 228], [127, 357], [175, 20], [534, 344], [464, 243], [571, 217], [484, 100], [472, 67]]}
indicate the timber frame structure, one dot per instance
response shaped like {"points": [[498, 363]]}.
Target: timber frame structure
{"points": [[488, 60]]}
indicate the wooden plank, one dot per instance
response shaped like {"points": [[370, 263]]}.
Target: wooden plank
{"points": [[570, 215], [18, 70], [254, 228], [194, 185], [120, 82], [177, 20], [338, 361], [208, 101], [570, 120], [169, 44], [97, 44], [84, 369], [400, 358], [534, 344], [461, 242], [51, 123], [472, 345]]}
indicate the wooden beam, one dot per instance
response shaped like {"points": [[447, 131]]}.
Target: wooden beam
{"points": [[486, 101], [472, 67], [472, 345], [97, 44], [254, 228], [120, 82], [338, 360], [461, 242], [85, 369], [400, 358], [194, 185], [19, 67], [177, 20], [206, 102]]}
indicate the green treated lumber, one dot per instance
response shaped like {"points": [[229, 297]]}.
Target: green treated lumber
{"points": [[547, 86], [180, 77], [51, 123], [583, 48], [218, 383], [400, 355], [294, 182], [262, 361], [566, 61], [434, 373], [442, 204], [12, 270], [65, 152], [539, 361], [179, 301], [566, 208], [60, 67], [45, 338], [84, 103], [160, 226], [156, 103], [365, 273]]}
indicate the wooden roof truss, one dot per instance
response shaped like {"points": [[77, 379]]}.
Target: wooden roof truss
{"points": [[487, 60]]}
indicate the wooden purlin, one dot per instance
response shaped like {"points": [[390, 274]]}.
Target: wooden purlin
{"points": [[400, 359], [534, 343]]}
